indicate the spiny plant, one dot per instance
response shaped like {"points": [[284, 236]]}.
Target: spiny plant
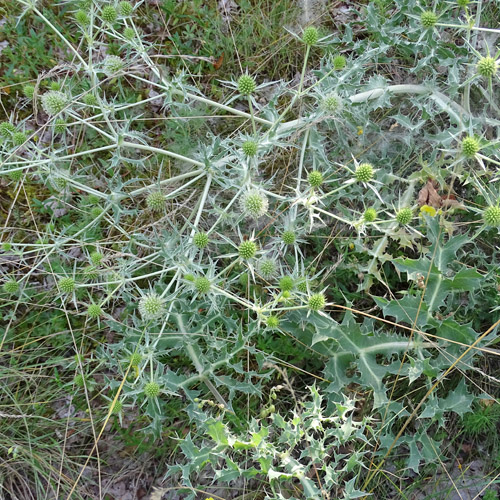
{"points": [[277, 228]]}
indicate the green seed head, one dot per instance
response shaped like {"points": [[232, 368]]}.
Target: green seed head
{"points": [[11, 286], [286, 284], [135, 359], [96, 211], [96, 258], [310, 36], [152, 390], [112, 65], [79, 380], [94, 311], [29, 91], [288, 237], [428, 19], [332, 103], [315, 179], [267, 268], [246, 85], [156, 201], [117, 407], [491, 216], [487, 67], [109, 14], [364, 173], [404, 216], [125, 9], [254, 204], [370, 215], [19, 138], [202, 285], [128, 34], [462, 3], [90, 100], [339, 62], [316, 302], [82, 18], [16, 176], [60, 126], [247, 249], [302, 286], [249, 148], [55, 86], [54, 101], [272, 321], [470, 146], [6, 130], [67, 285], [200, 240], [90, 273], [151, 306]]}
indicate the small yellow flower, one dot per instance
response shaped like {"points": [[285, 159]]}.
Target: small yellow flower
{"points": [[427, 210], [360, 130]]}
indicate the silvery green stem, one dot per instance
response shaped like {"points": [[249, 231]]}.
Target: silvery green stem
{"points": [[165, 152], [199, 173], [202, 204]]}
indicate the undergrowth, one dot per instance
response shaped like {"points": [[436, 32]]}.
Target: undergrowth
{"points": [[268, 262]]}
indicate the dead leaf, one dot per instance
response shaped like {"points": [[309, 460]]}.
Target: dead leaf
{"points": [[428, 195]]}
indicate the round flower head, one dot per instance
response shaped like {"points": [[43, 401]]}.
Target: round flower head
{"points": [[404, 216], [332, 103], [246, 85], [29, 91], [109, 14], [247, 250], [135, 359], [254, 204], [90, 272], [19, 138], [6, 130], [286, 284], [67, 285], [491, 216], [462, 3], [428, 19], [316, 302], [11, 286], [125, 9], [272, 321], [94, 311], [202, 285], [54, 101], [364, 172], [288, 237], [310, 36], [315, 179], [55, 86], [151, 306], [82, 18], [200, 240], [90, 100], [156, 201], [470, 146], [370, 215], [152, 390], [267, 268], [129, 34], [59, 126], [249, 148], [339, 62], [16, 176], [96, 258], [112, 65], [487, 67], [79, 380], [117, 407], [302, 286]]}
